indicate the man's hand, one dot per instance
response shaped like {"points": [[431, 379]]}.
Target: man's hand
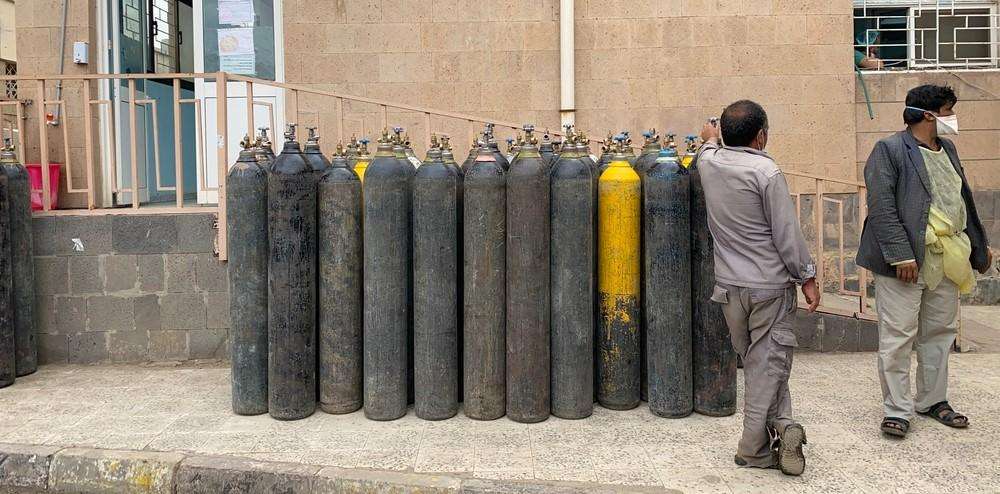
{"points": [[989, 261], [908, 272], [710, 132], [811, 292]]}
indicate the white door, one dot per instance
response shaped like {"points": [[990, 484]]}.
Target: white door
{"points": [[249, 33], [130, 29]]}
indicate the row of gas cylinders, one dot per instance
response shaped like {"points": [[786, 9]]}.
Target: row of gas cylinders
{"points": [[526, 288], [18, 346]]}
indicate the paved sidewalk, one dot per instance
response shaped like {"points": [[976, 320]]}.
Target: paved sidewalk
{"points": [[836, 397]]}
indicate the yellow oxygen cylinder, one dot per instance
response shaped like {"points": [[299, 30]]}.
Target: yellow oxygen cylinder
{"points": [[363, 159], [618, 229], [692, 150]]}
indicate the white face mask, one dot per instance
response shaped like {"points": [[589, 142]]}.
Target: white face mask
{"points": [[947, 125]]}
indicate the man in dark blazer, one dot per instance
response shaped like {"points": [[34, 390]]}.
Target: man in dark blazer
{"points": [[922, 227]]}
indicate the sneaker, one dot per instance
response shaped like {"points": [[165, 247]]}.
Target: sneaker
{"points": [[742, 462], [791, 461]]}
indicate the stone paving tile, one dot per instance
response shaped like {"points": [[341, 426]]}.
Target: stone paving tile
{"points": [[187, 408]]}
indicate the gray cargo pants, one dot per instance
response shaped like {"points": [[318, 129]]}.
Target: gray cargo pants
{"points": [[760, 325]]}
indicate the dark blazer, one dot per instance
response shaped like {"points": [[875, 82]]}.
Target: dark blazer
{"points": [[899, 198]]}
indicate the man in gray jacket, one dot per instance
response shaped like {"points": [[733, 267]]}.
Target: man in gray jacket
{"points": [[760, 255], [922, 238]]}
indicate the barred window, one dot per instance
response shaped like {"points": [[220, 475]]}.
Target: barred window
{"points": [[10, 68], [926, 34]]}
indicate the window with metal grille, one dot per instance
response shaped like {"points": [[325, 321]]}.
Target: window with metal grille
{"points": [[926, 34], [10, 68]]}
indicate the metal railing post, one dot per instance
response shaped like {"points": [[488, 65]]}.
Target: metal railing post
{"points": [[88, 144], [222, 139], [133, 152], [43, 144], [818, 206], [178, 158]]}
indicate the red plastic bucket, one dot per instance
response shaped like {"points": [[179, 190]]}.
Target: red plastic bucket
{"points": [[35, 178]]}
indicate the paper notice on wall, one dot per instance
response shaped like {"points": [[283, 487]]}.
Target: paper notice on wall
{"points": [[236, 51], [236, 12]]}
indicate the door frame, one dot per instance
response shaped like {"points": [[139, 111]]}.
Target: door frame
{"points": [[236, 98]]}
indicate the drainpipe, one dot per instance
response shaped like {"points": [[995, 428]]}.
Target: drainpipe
{"points": [[62, 63], [567, 74]]}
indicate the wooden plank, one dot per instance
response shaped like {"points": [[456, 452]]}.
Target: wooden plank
{"points": [[251, 130]]}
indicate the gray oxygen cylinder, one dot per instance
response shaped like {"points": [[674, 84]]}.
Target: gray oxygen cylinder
{"points": [[246, 226], [485, 238], [528, 331], [291, 201], [572, 271], [22, 261], [387, 272], [435, 289], [667, 282], [340, 289], [714, 359], [8, 340]]}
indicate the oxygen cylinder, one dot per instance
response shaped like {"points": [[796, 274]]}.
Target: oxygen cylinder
{"points": [[628, 149], [22, 259], [246, 226], [313, 155], [435, 289], [528, 285], [8, 338], [485, 245], [448, 158], [618, 227], [361, 164], [490, 141], [387, 274], [291, 204], [572, 297], [264, 150], [340, 288], [667, 283], [650, 151], [547, 150], [351, 153], [473, 152], [645, 161], [511, 150], [408, 151], [399, 152], [606, 153], [714, 360], [691, 149]]}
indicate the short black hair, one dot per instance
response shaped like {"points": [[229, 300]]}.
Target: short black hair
{"points": [[927, 97], [741, 122]]}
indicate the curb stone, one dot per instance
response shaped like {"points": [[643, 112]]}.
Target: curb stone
{"points": [[51, 469]]}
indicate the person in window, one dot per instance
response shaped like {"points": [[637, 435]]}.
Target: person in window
{"points": [[922, 239], [760, 255], [866, 51]]}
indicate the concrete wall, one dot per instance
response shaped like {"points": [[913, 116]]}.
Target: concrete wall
{"points": [[978, 142], [129, 288], [639, 64]]}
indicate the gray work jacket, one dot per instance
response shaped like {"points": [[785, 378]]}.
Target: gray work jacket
{"points": [[758, 241]]}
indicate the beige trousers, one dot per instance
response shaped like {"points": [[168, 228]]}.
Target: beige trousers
{"points": [[913, 317], [760, 326]]}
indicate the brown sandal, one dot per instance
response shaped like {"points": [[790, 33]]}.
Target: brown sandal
{"points": [[895, 426], [950, 417]]}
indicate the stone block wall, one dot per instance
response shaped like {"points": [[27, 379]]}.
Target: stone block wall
{"points": [[639, 64], [978, 112], [129, 288]]}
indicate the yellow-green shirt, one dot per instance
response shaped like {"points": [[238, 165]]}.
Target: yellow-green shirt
{"points": [[947, 246]]}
